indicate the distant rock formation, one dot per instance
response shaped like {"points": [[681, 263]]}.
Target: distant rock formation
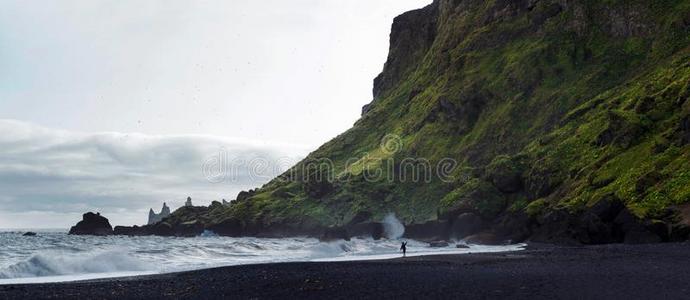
{"points": [[189, 202], [191, 225], [92, 224], [157, 217], [29, 233], [225, 203]]}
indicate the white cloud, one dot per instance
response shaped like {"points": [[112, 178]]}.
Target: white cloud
{"points": [[60, 174]]}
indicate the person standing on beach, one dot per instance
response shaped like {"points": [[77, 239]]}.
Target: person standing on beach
{"points": [[403, 247]]}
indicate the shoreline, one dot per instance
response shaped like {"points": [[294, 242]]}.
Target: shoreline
{"points": [[539, 272], [115, 275]]}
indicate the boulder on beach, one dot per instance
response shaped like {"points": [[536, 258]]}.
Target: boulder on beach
{"points": [[438, 244], [486, 238], [92, 224]]}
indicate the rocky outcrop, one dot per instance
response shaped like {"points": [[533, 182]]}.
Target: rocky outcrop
{"points": [[92, 224], [465, 225], [128, 230], [157, 217], [412, 34]]}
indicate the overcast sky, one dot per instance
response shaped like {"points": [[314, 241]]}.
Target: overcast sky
{"points": [[116, 106]]}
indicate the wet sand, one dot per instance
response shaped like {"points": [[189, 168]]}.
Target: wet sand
{"points": [[658, 271]]}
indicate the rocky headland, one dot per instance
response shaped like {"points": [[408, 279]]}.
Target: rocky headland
{"points": [[567, 122]]}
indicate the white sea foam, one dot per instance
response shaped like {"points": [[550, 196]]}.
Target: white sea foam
{"points": [[54, 263], [56, 256]]}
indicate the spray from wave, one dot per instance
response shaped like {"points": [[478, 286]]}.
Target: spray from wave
{"points": [[58, 263], [392, 228]]}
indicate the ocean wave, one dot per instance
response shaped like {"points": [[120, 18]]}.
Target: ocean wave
{"points": [[57, 263], [51, 255]]}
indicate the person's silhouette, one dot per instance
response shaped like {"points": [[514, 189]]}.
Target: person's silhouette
{"points": [[403, 247]]}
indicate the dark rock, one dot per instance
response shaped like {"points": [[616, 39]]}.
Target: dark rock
{"points": [[462, 246], [626, 221], [244, 195], [92, 224], [438, 244], [366, 229], [29, 233], [316, 181], [505, 175], [542, 180], [161, 229], [597, 222], [485, 238], [620, 131], [683, 131], [515, 226], [476, 196], [335, 233], [607, 208], [466, 224], [680, 223], [359, 217], [366, 109], [431, 230], [627, 22], [548, 12], [189, 229], [128, 230], [558, 227], [634, 230], [461, 114], [659, 228], [679, 233], [412, 34], [414, 93], [229, 227], [216, 205], [644, 105], [641, 237], [598, 231], [647, 180]]}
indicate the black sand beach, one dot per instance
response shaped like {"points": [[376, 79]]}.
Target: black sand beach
{"points": [[658, 271]]}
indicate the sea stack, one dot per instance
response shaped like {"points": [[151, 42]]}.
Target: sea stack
{"points": [[157, 217], [92, 224]]}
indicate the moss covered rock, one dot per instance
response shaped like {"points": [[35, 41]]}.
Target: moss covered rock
{"points": [[505, 174], [476, 196]]}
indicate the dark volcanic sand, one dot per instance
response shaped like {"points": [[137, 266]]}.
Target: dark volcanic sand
{"points": [[660, 271]]}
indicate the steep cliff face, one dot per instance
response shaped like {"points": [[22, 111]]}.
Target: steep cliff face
{"points": [[531, 119]]}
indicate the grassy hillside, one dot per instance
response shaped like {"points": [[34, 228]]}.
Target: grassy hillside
{"points": [[543, 106]]}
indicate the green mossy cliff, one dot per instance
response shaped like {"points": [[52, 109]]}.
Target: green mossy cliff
{"points": [[567, 120]]}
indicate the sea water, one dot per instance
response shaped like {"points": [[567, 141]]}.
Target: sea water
{"points": [[53, 256]]}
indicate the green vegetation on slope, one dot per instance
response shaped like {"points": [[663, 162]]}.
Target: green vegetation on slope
{"points": [[543, 105]]}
